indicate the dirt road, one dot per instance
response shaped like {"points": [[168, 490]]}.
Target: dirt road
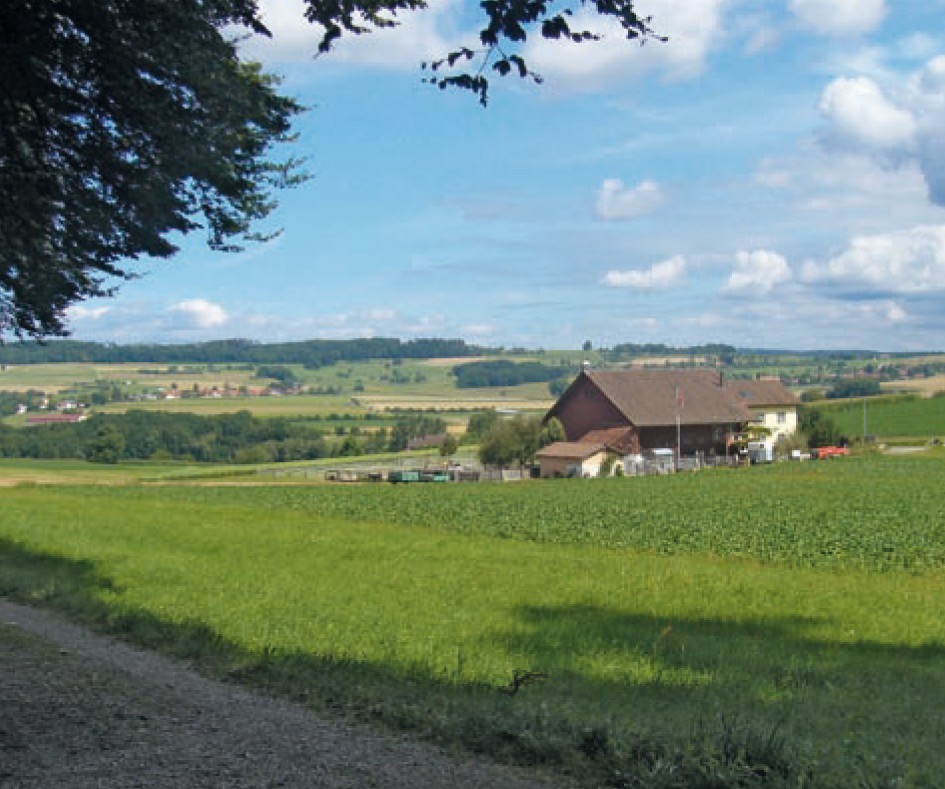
{"points": [[78, 709]]}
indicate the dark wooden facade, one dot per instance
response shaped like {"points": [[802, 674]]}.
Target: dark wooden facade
{"points": [[646, 406], [584, 408]]}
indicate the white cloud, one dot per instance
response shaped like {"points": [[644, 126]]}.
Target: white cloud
{"points": [[839, 17], [758, 272], [895, 313], [418, 35], [929, 99], [902, 123], [932, 76], [903, 262], [661, 275], [615, 201], [199, 314], [78, 312], [480, 331], [860, 117], [693, 28], [761, 40]]}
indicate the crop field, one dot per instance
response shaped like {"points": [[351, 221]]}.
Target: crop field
{"points": [[924, 386], [343, 388], [294, 406], [890, 417], [785, 623], [80, 472], [57, 377]]}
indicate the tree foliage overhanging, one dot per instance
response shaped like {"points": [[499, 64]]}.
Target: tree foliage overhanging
{"points": [[121, 124], [126, 123]]}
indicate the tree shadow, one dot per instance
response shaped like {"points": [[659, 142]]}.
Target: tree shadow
{"points": [[864, 708], [681, 655]]}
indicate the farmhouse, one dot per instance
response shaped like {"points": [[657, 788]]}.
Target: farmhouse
{"points": [[692, 411]]}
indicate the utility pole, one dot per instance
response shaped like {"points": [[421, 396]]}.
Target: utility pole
{"points": [[864, 419]]}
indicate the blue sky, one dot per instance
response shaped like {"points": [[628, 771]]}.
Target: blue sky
{"points": [[771, 176]]}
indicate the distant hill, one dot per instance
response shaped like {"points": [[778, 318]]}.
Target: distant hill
{"points": [[310, 353]]}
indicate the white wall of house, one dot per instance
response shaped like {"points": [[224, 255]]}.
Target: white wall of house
{"points": [[780, 420]]}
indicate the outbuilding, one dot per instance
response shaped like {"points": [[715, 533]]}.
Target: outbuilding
{"points": [[576, 459]]}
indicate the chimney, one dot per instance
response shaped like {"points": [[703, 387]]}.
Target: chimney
{"points": [[721, 378]]}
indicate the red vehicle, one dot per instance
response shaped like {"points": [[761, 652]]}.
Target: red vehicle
{"points": [[822, 453]]}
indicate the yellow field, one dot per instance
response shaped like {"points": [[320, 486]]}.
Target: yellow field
{"points": [[296, 405], [419, 402], [924, 386], [450, 361]]}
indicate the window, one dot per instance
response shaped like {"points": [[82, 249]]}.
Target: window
{"points": [[782, 417]]}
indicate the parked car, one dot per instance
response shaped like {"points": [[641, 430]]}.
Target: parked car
{"points": [[822, 453]]}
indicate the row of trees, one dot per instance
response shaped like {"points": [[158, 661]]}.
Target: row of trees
{"points": [[501, 372], [224, 438], [310, 353]]}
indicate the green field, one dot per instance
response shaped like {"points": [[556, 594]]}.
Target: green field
{"points": [[785, 623], [909, 416]]}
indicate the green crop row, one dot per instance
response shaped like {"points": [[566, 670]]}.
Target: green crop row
{"points": [[877, 513], [887, 417]]}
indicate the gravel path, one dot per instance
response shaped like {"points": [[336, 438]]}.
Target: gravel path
{"points": [[78, 709]]}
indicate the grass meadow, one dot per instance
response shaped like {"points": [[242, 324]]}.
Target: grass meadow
{"points": [[772, 626]]}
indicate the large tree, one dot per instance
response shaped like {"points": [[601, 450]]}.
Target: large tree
{"points": [[127, 123]]}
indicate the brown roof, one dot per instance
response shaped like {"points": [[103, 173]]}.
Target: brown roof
{"points": [[650, 398], [758, 393], [571, 450], [619, 438]]}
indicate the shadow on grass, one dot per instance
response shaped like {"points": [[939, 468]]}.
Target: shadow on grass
{"points": [[562, 638], [548, 724]]}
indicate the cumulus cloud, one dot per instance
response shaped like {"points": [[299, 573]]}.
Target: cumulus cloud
{"points": [[903, 124], [661, 275], [693, 27], [903, 262], [615, 201], [758, 272], [199, 314], [930, 111], [839, 17], [860, 116]]}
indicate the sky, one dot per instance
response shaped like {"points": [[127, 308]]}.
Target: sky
{"points": [[772, 176]]}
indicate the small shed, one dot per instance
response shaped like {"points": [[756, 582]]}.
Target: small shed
{"points": [[575, 459]]}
